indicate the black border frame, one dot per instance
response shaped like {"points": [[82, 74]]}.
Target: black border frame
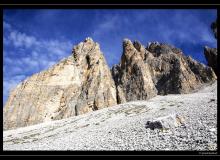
{"points": [[211, 154]]}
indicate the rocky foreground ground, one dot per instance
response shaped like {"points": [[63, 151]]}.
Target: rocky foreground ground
{"points": [[123, 127]]}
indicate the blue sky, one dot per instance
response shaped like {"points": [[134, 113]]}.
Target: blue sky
{"points": [[33, 40]]}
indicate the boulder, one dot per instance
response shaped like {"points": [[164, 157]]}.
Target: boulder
{"points": [[165, 122]]}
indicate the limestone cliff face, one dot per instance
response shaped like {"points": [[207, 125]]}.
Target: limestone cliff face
{"points": [[173, 72], [132, 77], [78, 84], [83, 82], [157, 69]]}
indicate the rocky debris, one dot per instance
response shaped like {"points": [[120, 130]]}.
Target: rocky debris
{"points": [[122, 127], [78, 84], [165, 122]]}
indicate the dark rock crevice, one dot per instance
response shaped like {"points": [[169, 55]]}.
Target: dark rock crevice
{"points": [[211, 53]]}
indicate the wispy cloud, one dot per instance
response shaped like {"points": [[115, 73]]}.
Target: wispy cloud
{"points": [[33, 55], [184, 26], [33, 40], [21, 39], [107, 24]]}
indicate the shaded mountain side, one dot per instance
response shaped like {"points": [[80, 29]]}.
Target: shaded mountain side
{"points": [[211, 53], [157, 69]]}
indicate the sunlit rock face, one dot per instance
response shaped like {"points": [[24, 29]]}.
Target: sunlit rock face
{"points": [[78, 84], [132, 77], [83, 82]]}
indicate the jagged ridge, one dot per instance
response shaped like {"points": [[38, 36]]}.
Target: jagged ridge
{"points": [[83, 82]]}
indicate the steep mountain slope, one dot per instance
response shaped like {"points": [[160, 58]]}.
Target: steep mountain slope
{"points": [[158, 68], [76, 85], [123, 127], [132, 77], [83, 82]]}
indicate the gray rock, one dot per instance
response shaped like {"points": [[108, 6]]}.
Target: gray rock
{"points": [[211, 57], [165, 122]]}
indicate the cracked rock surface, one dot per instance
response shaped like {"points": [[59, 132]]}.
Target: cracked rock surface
{"points": [[158, 68], [83, 82], [78, 84]]}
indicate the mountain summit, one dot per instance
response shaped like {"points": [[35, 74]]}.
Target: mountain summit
{"points": [[78, 84], [157, 69], [83, 82]]}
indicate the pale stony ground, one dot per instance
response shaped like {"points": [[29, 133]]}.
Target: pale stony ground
{"points": [[122, 127]]}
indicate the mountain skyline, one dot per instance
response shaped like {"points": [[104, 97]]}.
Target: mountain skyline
{"points": [[33, 40]]}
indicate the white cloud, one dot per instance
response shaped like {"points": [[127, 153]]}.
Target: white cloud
{"points": [[21, 39], [24, 41], [28, 55], [190, 29], [6, 25], [110, 22]]}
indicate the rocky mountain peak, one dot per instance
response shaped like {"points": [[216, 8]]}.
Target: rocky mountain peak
{"points": [[87, 52], [78, 84], [161, 48], [160, 68], [127, 45], [83, 82], [137, 45], [126, 41], [88, 39]]}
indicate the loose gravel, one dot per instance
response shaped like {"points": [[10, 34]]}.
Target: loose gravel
{"points": [[122, 127]]}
